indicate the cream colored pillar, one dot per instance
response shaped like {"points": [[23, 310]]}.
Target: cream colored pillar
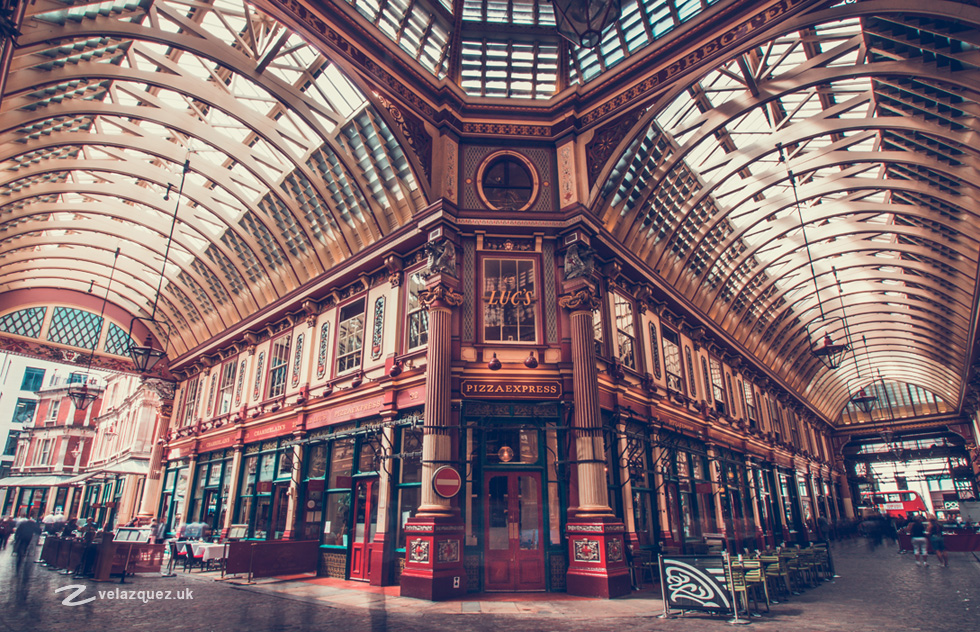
{"points": [[295, 481], [232, 500]]}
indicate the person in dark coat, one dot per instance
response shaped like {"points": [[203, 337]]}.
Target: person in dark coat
{"points": [[6, 528], [24, 536], [69, 529]]}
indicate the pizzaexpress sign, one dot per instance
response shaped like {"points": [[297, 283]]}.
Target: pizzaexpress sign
{"points": [[499, 389]]}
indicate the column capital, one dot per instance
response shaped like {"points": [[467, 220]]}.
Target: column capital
{"points": [[440, 295], [584, 299]]}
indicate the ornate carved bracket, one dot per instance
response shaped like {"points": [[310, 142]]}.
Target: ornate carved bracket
{"points": [[432, 296], [584, 299]]}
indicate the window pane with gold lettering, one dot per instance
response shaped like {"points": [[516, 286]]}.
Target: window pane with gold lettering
{"points": [[509, 300]]}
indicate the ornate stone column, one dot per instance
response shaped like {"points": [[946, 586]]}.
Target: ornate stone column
{"points": [[164, 391], [434, 548], [597, 566]]}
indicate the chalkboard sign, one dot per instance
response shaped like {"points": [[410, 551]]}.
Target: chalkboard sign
{"points": [[237, 531], [695, 582]]}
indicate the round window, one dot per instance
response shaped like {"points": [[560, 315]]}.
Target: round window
{"points": [[508, 182]]}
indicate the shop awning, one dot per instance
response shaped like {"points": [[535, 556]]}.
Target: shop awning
{"points": [[33, 481], [110, 471]]}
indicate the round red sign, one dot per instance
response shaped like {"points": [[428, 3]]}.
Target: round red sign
{"points": [[446, 482]]}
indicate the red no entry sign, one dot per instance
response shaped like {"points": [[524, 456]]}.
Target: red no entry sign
{"points": [[447, 482]]}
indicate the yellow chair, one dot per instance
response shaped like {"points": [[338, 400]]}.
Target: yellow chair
{"points": [[777, 572], [755, 578]]}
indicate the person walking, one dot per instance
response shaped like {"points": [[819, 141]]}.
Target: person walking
{"points": [[6, 528], [920, 543], [24, 536], [935, 532]]}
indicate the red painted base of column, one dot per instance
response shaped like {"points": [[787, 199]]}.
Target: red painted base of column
{"points": [[381, 571], [434, 558], [597, 557]]}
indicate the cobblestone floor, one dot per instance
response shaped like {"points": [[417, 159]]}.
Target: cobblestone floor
{"points": [[875, 592]]}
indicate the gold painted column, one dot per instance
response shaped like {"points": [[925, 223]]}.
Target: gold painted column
{"points": [[434, 536], [597, 561]]}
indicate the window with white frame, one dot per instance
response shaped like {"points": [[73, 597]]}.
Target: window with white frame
{"points": [[45, 452], [226, 388], [418, 316], [672, 360], [53, 407], [509, 300], [749, 400], [625, 337], [350, 336], [278, 365], [718, 385], [190, 400]]}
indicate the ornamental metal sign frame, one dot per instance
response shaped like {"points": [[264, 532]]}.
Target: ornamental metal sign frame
{"points": [[697, 582]]}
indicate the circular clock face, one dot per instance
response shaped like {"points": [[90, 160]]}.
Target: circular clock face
{"points": [[505, 454], [310, 504], [507, 181]]}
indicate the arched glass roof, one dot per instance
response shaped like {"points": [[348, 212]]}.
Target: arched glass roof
{"points": [[291, 168], [860, 119]]}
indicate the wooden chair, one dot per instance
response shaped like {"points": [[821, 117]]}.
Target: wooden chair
{"points": [[791, 558], [644, 566]]}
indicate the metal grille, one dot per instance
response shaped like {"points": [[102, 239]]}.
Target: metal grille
{"points": [[75, 327], [24, 322]]}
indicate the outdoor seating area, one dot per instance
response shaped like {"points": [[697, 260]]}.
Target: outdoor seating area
{"points": [[768, 577]]}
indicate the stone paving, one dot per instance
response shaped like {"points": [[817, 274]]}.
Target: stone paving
{"points": [[875, 592]]}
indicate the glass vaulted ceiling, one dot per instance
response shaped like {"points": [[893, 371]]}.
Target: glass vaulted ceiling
{"points": [[874, 119], [509, 48], [291, 169]]}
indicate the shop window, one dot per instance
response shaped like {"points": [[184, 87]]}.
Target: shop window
{"points": [[350, 336], [338, 498], [318, 461], [509, 300], [410, 478], [226, 388], [369, 454], [625, 336], [418, 316], [278, 366], [33, 379], [672, 361]]}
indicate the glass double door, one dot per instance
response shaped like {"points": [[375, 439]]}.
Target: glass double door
{"points": [[514, 543]]}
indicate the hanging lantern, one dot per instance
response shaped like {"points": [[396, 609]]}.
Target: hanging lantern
{"points": [[865, 401], [828, 352], [582, 21]]}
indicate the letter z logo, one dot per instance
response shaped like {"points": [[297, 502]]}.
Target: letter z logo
{"points": [[70, 599]]}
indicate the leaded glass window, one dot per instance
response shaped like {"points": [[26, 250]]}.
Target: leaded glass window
{"points": [[24, 322], [75, 327], [117, 340]]}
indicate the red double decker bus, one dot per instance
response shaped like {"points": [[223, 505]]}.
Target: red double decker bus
{"points": [[897, 503]]}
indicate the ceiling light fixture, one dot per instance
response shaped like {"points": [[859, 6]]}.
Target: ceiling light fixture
{"points": [[830, 353], [582, 22], [147, 355], [83, 393]]}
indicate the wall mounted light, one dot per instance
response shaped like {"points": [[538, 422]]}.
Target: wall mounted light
{"points": [[530, 361], [494, 364]]}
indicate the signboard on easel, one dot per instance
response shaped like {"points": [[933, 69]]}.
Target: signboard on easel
{"points": [[696, 582]]}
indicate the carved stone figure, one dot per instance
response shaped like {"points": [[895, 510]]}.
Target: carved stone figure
{"points": [[442, 257], [579, 261]]}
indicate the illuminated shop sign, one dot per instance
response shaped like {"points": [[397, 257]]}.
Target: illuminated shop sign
{"points": [[500, 389]]}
